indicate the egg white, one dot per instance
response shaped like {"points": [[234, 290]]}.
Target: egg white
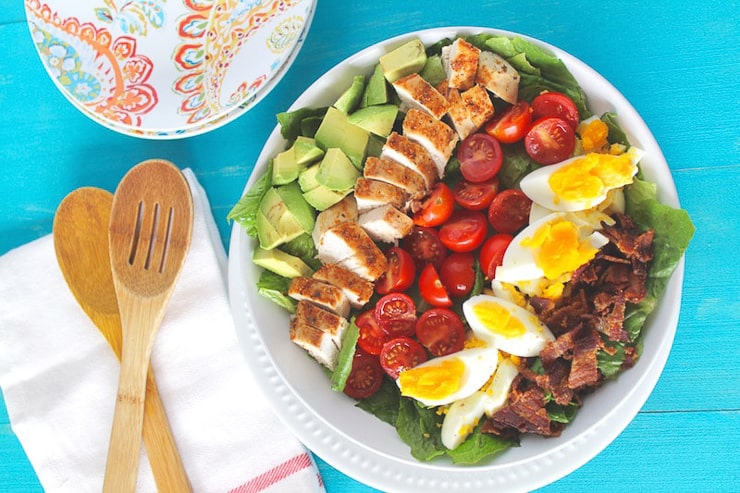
{"points": [[479, 364], [529, 343]]}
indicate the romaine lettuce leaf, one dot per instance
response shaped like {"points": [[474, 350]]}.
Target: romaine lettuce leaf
{"points": [[275, 288], [244, 212], [346, 355], [420, 427]]}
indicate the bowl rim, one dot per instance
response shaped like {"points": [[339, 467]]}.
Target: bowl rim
{"points": [[385, 470]]}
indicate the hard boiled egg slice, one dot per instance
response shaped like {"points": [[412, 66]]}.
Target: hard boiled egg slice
{"points": [[581, 182], [506, 325], [463, 415], [550, 249], [449, 378]]}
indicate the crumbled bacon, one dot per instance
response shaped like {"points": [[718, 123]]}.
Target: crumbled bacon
{"points": [[585, 320]]}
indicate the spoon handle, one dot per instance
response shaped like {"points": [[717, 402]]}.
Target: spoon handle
{"points": [[167, 467]]}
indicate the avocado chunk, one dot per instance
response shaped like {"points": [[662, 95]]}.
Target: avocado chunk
{"points": [[433, 71], [376, 119], [297, 206], [336, 172], [306, 150], [336, 131], [307, 179], [267, 235], [350, 99], [285, 168], [409, 58], [376, 90], [281, 263], [322, 197]]}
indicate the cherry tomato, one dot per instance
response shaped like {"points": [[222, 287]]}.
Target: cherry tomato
{"points": [[492, 253], [399, 274], [399, 354], [396, 314], [431, 287], [475, 196], [480, 157], [511, 126], [372, 336], [458, 274], [509, 211], [437, 206], [366, 376], [464, 231], [550, 140], [441, 331], [424, 246], [556, 104]]}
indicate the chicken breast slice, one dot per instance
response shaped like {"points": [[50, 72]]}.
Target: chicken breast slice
{"points": [[343, 211], [349, 245], [411, 154], [460, 61], [329, 322], [498, 76], [438, 138], [316, 342], [415, 92], [323, 294], [478, 104], [390, 171], [386, 224], [458, 115], [370, 194], [357, 290]]}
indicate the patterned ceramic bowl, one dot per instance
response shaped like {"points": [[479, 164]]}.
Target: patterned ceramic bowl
{"points": [[163, 70]]}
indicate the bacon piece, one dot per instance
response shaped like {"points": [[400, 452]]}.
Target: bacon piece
{"points": [[584, 371]]}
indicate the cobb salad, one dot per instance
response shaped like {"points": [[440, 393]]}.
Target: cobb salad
{"points": [[464, 247]]}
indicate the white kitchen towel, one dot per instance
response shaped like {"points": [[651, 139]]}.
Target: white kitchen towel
{"points": [[59, 379]]}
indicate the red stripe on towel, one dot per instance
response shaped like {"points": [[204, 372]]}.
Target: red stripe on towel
{"points": [[274, 475]]}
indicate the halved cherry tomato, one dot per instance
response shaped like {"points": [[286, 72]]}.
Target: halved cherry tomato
{"points": [[400, 273], [431, 287], [458, 273], [556, 104], [480, 157], [475, 196], [371, 338], [437, 206], [492, 253], [511, 126], [509, 211], [424, 246], [366, 376], [396, 314], [441, 331], [399, 354], [550, 140], [464, 231]]}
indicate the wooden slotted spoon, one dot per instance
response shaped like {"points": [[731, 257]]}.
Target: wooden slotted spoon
{"points": [[149, 235], [81, 243]]}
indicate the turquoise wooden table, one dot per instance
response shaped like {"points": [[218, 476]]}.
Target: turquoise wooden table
{"points": [[678, 63]]}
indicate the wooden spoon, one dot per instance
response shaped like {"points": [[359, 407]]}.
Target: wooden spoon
{"points": [[149, 236], [81, 243]]}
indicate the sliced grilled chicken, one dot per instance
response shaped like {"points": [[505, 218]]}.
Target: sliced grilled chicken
{"points": [[434, 135], [498, 76], [458, 114], [357, 290], [315, 341], [460, 61], [479, 105], [386, 224], [370, 194], [389, 171], [323, 294], [411, 154], [348, 245], [343, 211], [322, 319], [415, 92]]}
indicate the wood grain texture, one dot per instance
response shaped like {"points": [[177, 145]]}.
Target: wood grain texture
{"points": [[677, 62]]}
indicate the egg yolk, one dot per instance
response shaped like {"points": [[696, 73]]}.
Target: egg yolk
{"points": [[558, 249], [498, 319], [432, 382], [591, 176], [593, 135]]}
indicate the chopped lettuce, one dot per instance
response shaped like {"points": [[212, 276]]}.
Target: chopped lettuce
{"points": [[420, 427], [304, 248], [275, 288], [346, 355], [384, 404], [479, 446], [244, 212]]}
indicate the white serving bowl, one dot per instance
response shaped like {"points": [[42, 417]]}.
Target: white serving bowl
{"points": [[164, 70], [369, 450]]}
